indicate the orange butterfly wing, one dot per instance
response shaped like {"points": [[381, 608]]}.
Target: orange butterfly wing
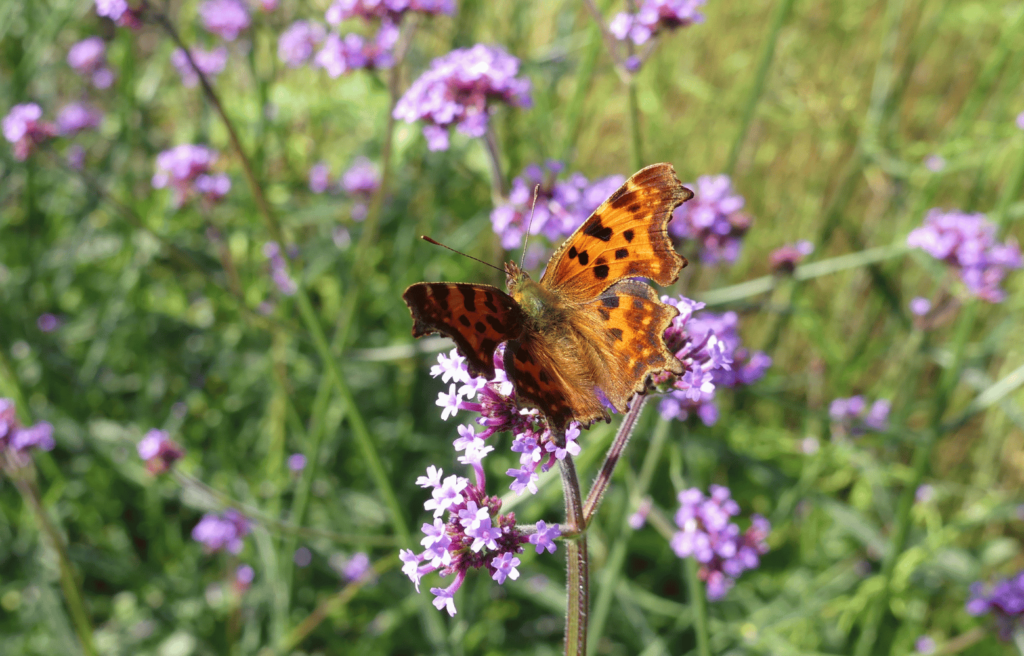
{"points": [[476, 317], [626, 237]]}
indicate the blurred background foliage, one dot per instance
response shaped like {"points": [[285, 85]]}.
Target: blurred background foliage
{"points": [[160, 328]]}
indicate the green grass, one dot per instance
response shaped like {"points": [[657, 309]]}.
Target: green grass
{"points": [[822, 113]]}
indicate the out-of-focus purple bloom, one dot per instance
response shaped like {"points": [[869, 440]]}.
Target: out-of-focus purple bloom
{"points": [[460, 89], [967, 243], [785, 258], [925, 645], [209, 63], [74, 118], [244, 576], [222, 532], [297, 43], [302, 557], [935, 163], [710, 348], [707, 533], [120, 12], [360, 182], [356, 567], [47, 322], [639, 518], [920, 306], [924, 493], [279, 269], [854, 417], [89, 57], [75, 157], [713, 219], [19, 439], [653, 17], [296, 462], [23, 128], [344, 54], [390, 10], [268, 5], [1020, 120], [810, 445], [562, 204], [159, 451], [319, 178], [1004, 600], [225, 18], [187, 170]]}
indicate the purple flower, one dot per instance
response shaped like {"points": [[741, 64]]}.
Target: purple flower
{"points": [[356, 567], [461, 89], [209, 63], [925, 645], [297, 43], [505, 567], [120, 12], [47, 322], [279, 269], [639, 518], [853, 416], [445, 598], [181, 167], [244, 576], [361, 179], [213, 187], [920, 306], [296, 462], [302, 557], [1020, 120], [707, 534], [1004, 600], [89, 57], [967, 243], [225, 18], [19, 439], [654, 16], [74, 118], [222, 532], [713, 219], [545, 537], [319, 178], [159, 451], [934, 163], [23, 128], [390, 10], [562, 204], [340, 55], [785, 258], [710, 348], [75, 157], [924, 493]]}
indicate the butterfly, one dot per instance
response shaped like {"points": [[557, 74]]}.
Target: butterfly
{"points": [[590, 327]]}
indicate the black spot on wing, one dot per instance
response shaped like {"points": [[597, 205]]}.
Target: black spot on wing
{"points": [[634, 208], [621, 253], [610, 301], [488, 346], [584, 258], [621, 200], [628, 235], [638, 304], [489, 303], [616, 333], [464, 320], [573, 252], [598, 231], [497, 325], [601, 272], [468, 298], [544, 378], [440, 291], [480, 327], [604, 313]]}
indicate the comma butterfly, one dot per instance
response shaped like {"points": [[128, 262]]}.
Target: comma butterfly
{"points": [[589, 324]]}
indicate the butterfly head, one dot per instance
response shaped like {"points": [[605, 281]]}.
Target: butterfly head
{"points": [[515, 278]]}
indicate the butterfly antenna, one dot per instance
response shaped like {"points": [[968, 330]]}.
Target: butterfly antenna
{"points": [[437, 243], [526, 239]]}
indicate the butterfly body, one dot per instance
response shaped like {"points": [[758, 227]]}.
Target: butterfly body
{"points": [[587, 335]]}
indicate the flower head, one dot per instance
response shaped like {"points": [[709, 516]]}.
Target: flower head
{"points": [[225, 18], [1004, 601], [208, 62], [279, 269], [296, 44], [461, 89], [653, 17], [854, 417], [222, 532], [713, 219], [74, 118], [24, 129], [89, 57], [356, 567], [120, 12], [159, 451], [296, 462], [785, 258], [967, 243], [187, 170], [343, 54], [19, 439], [390, 10]]}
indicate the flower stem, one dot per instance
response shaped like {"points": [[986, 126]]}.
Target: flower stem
{"points": [[636, 143], [499, 188], [577, 583], [699, 604], [604, 477]]}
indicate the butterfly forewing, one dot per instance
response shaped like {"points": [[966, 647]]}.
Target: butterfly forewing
{"points": [[626, 237], [476, 317]]}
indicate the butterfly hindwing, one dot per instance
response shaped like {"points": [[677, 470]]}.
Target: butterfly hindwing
{"points": [[626, 237], [476, 317]]}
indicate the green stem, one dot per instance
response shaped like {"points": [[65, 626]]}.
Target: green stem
{"points": [[699, 604], [577, 584], [636, 143], [760, 76]]}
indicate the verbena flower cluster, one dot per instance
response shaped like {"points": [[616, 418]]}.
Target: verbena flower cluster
{"points": [[562, 204], [19, 439], [390, 10], [279, 269], [707, 533], [76, 117], [1004, 600], [709, 345], [460, 89], [853, 416], [343, 54], [24, 128], [159, 451], [475, 534], [785, 258], [296, 44], [89, 58], [209, 62], [360, 182], [187, 170], [222, 532], [712, 219], [653, 17], [967, 243], [121, 12], [225, 18]]}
